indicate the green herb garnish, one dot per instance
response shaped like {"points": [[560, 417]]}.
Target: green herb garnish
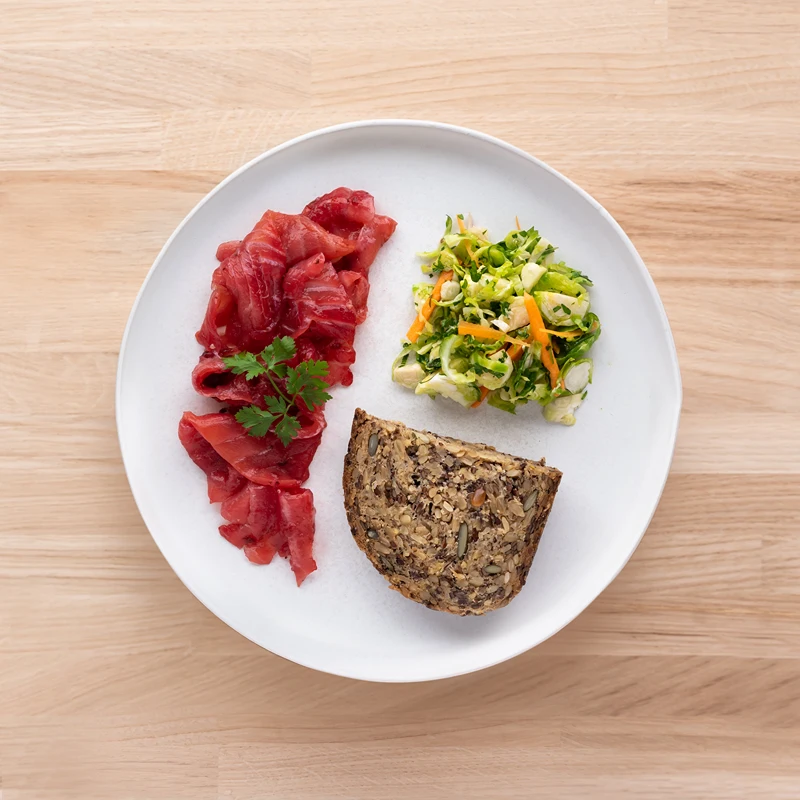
{"points": [[303, 382]]}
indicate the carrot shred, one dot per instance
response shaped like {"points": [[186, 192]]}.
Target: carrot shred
{"points": [[515, 351], [572, 334], [461, 226], [519, 227], [427, 309], [484, 392], [480, 331], [565, 334], [539, 334]]}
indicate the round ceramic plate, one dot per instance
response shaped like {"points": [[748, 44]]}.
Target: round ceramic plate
{"points": [[344, 619]]}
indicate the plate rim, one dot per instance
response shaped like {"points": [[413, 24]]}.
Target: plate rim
{"points": [[496, 141]]}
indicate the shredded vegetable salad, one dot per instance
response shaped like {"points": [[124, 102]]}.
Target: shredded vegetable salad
{"points": [[505, 323]]}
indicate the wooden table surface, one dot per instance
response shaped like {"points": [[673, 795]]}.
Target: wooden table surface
{"points": [[682, 680]]}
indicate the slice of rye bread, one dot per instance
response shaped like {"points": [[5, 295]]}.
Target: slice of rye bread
{"points": [[449, 524]]}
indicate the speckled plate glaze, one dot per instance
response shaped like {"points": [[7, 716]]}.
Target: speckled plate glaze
{"points": [[344, 619]]}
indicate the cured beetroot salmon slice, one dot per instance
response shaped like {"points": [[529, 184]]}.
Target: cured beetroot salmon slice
{"points": [[301, 275]]}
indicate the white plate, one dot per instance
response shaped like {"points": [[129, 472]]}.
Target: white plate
{"points": [[344, 619]]}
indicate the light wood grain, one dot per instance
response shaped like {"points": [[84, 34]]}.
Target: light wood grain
{"points": [[309, 25], [682, 680]]}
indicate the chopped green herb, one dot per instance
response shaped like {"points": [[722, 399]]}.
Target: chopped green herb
{"points": [[287, 429], [307, 382], [246, 364], [282, 349], [256, 420]]}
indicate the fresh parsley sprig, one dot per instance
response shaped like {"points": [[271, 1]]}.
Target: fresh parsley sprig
{"points": [[303, 382]]}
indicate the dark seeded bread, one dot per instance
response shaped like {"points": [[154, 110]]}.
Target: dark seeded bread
{"points": [[449, 524]]}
